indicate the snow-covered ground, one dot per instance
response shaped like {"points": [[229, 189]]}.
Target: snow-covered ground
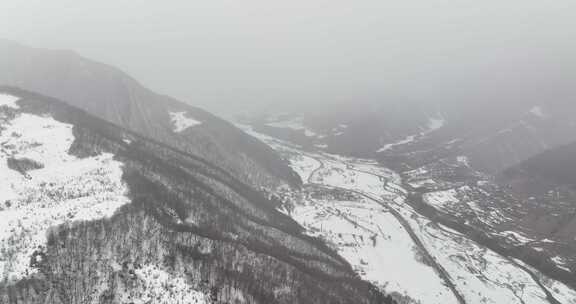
{"points": [[481, 275], [181, 122], [365, 233], [377, 246], [8, 100], [561, 262], [422, 183], [59, 189], [155, 285], [434, 124], [381, 250]]}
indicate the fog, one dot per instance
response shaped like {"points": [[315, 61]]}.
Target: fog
{"points": [[229, 55]]}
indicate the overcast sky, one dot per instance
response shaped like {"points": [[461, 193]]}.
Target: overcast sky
{"points": [[241, 53]]}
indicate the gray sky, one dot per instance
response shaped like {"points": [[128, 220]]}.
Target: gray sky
{"points": [[234, 54]]}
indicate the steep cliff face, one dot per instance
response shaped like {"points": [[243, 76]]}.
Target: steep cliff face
{"points": [[112, 95], [94, 213]]}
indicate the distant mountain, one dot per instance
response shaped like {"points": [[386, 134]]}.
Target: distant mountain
{"points": [[500, 174], [95, 213], [406, 135], [110, 94]]}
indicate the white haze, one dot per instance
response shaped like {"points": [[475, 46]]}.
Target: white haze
{"points": [[233, 55]]}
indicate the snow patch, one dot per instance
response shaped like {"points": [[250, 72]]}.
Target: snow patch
{"points": [[9, 101], [538, 112], [441, 199], [481, 275], [154, 285], [339, 129], [406, 140], [304, 166], [296, 124], [559, 290], [422, 183], [181, 122], [432, 125]]}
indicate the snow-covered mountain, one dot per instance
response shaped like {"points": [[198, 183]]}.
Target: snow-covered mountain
{"points": [[433, 235], [110, 94], [94, 213]]}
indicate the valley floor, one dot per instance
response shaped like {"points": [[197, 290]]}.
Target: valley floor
{"points": [[360, 209]]}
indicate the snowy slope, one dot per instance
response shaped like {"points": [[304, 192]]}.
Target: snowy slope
{"points": [[377, 245], [152, 284], [8, 101], [60, 189], [182, 122], [93, 213]]}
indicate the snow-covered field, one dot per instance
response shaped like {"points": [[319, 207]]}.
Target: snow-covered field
{"points": [[58, 189], [181, 122], [377, 246], [538, 111], [408, 139], [434, 123]]}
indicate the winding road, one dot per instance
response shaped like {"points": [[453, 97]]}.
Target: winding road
{"points": [[440, 270]]}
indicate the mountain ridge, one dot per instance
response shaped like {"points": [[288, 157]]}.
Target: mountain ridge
{"points": [[209, 235], [108, 93]]}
